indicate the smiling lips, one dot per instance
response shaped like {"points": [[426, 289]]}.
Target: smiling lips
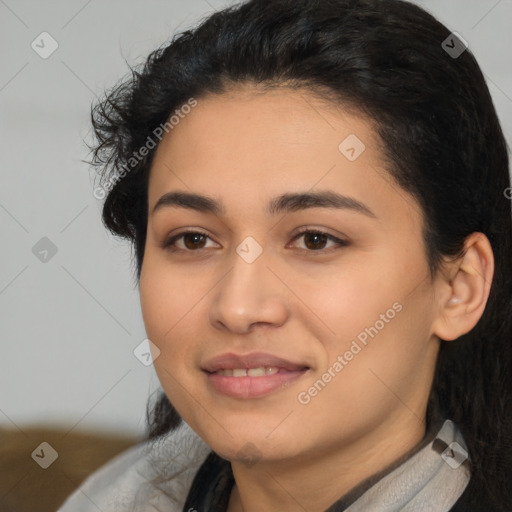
{"points": [[251, 375]]}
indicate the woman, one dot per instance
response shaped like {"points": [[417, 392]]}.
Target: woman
{"points": [[317, 196]]}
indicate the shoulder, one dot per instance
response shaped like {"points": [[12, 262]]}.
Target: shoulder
{"points": [[152, 475]]}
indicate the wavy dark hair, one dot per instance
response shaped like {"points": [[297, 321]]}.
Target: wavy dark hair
{"points": [[383, 59]]}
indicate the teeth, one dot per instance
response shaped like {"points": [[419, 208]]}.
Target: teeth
{"points": [[251, 372], [256, 372]]}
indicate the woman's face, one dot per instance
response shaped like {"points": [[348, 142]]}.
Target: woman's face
{"points": [[346, 322]]}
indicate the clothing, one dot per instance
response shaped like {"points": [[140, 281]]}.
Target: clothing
{"points": [[179, 472]]}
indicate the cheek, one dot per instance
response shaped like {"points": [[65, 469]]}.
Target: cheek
{"points": [[162, 307], [373, 315], [371, 288], [168, 297], [168, 311], [349, 300], [173, 309]]}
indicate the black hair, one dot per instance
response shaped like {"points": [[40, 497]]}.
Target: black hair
{"points": [[439, 131]]}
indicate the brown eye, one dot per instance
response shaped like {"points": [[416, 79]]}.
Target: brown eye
{"points": [[192, 241], [315, 240]]}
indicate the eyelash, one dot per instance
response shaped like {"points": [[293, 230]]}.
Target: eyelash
{"points": [[169, 243]]}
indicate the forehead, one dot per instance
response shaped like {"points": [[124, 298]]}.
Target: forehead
{"points": [[247, 144]]}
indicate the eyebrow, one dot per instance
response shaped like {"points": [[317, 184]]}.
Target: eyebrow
{"points": [[289, 202]]}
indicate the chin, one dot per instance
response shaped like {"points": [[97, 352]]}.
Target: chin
{"points": [[249, 448]]}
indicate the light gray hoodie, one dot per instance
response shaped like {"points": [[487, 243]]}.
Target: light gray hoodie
{"points": [[156, 476]]}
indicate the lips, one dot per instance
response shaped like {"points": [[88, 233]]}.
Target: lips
{"points": [[232, 361], [251, 376]]}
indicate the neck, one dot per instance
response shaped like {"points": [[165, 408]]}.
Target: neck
{"points": [[314, 481]]}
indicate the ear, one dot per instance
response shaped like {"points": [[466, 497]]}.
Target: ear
{"points": [[464, 289]]}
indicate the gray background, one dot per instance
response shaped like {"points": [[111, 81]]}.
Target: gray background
{"points": [[69, 325]]}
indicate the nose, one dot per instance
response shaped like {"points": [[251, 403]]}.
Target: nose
{"points": [[250, 293]]}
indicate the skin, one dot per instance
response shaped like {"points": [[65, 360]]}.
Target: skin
{"points": [[300, 303]]}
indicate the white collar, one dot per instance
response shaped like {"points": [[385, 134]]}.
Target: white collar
{"points": [[155, 476]]}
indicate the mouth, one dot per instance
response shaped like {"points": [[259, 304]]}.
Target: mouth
{"points": [[251, 375], [261, 371]]}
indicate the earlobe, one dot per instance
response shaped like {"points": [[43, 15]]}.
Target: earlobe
{"points": [[465, 295]]}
